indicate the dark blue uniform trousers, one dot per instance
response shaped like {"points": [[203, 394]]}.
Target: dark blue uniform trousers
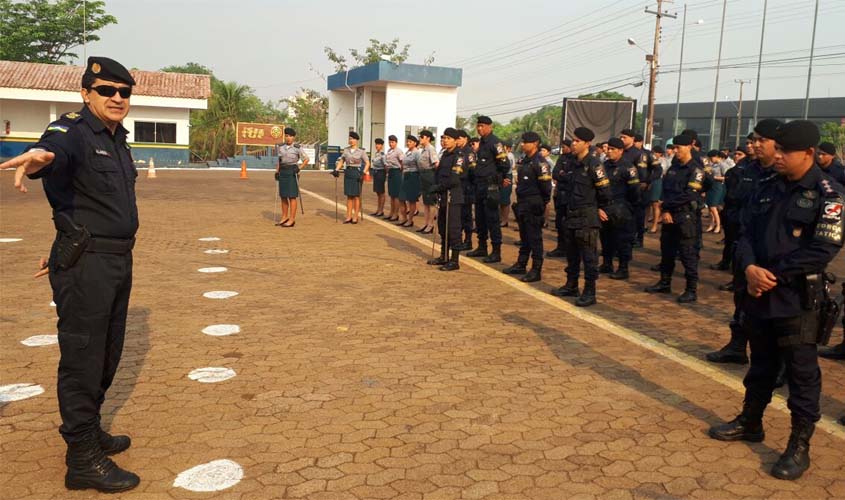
{"points": [[486, 215]]}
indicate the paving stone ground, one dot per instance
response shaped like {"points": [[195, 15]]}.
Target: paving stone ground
{"points": [[364, 373]]}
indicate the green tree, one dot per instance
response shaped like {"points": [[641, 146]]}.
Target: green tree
{"points": [[835, 133], [307, 113], [372, 53], [191, 68], [45, 31]]}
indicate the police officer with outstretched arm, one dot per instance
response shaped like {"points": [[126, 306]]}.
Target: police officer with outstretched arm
{"points": [[790, 233], [86, 168], [491, 166]]}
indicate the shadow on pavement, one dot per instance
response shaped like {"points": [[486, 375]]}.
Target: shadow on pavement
{"points": [[135, 348]]}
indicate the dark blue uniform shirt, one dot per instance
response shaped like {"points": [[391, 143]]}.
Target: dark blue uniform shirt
{"points": [[534, 178], [491, 158], [682, 186]]}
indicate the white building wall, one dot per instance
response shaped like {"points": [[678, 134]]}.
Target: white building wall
{"points": [[181, 117], [408, 104], [27, 119], [341, 116]]}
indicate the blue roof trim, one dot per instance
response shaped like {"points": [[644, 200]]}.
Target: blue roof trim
{"points": [[384, 71]]}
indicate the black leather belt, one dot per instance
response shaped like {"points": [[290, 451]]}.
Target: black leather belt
{"points": [[110, 245], [287, 165]]}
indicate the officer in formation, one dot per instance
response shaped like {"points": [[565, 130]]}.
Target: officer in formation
{"points": [[560, 178], [287, 174], [506, 193], [449, 188], [830, 163], [355, 164], [379, 170], [410, 192], [393, 162], [427, 164], [587, 193], [681, 231], [491, 166], [791, 231], [617, 232], [86, 168], [467, 147], [533, 192]]}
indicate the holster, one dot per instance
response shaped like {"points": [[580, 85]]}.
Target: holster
{"points": [[830, 308], [71, 241], [493, 192], [687, 224]]}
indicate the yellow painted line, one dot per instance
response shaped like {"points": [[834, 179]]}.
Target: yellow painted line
{"points": [[19, 139], [828, 424], [157, 146]]}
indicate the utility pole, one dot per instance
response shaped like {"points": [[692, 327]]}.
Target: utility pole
{"points": [[760, 60], [675, 124], [713, 141], [810, 70], [653, 59], [739, 111]]}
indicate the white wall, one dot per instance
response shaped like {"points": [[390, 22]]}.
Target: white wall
{"points": [[341, 116], [181, 117], [408, 104], [27, 119]]}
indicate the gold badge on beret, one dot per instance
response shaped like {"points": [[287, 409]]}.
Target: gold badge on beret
{"points": [[95, 68]]}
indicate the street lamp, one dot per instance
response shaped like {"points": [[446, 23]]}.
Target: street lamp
{"points": [[681, 69]]}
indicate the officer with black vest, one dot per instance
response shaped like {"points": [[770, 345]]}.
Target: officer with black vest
{"points": [[533, 192], [681, 231], [450, 171], [587, 194], [467, 182], [491, 166], [86, 168], [560, 178], [791, 231], [617, 233]]}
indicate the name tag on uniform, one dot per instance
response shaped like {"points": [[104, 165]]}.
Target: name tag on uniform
{"points": [[102, 152]]}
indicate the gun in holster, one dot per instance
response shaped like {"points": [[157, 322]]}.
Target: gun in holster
{"points": [[817, 297], [71, 241]]}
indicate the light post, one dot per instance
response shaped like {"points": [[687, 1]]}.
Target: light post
{"points": [[676, 124]]}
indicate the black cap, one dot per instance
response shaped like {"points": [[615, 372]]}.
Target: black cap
{"points": [[427, 133], [750, 136], [682, 140], [567, 143], [827, 147], [474, 139], [105, 69], [797, 135], [690, 133], [742, 149], [713, 152], [638, 137], [392, 138], [354, 135], [584, 134], [379, 141], [546, 147], [484, 119], [629, 132], [767, 128], [531, 137], [722, 154], [658, 149], [462, 133], [449, 132], [290, 131], [615, 142], [413, 138]]}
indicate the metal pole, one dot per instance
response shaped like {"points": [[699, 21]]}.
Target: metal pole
{"points": [[739, 111], [760, 61], [713, 142], [676, 127], [649, 126], [810, 69]]}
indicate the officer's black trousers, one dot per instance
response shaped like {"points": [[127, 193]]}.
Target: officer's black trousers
{"points": [[582, 245], [677, 241], [487, 215], [466, 210], [617, 241], [767, 339], [452, 219], [530, 217], [732, 227], [560, 210], [639, 220], [92, 299]]}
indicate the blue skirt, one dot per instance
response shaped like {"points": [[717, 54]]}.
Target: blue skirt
{"points": [[426, 181], [505, 195], [656, 193], [379, 176], [288, 187], [352, 181], [716, 194], [394, 182], [410, 187]]}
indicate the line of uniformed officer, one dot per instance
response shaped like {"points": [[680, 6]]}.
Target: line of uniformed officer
{"points": [[448, 187], [617, 232], [287, 175]]}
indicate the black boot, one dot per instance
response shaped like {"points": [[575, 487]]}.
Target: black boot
{"points": [[743, 428], [534, 274], [466, 244], [720, 266], [588, 296], [662, 286], [621, 273], [88, 467], [796, 459], [570, 289], [439, 261], [112, 445], [495, 255], [518, 268], [557, 252], [780, 381], [733, 352], [452, 265], [835, 352], [606, 267], [727, 287], [481, 251], [689, 296], [655, 267]]}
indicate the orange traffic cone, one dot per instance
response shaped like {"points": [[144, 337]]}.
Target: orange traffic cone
{"points": [[243, 170], [151, 170], [368, 177]]}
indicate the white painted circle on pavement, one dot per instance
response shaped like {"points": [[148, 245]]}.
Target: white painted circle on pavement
{"points": [[219, 294], [210, 238], [213, 476], [52, 304], [221, 330], [40, 340], [16, 392], [211, 374], [10, 240], [216, 251], [212, 269]]}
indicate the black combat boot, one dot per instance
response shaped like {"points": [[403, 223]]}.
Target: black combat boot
{"points": [[621, 273], [727, 287], [535, 274], [439, 261], [745, 427], [662, 286], [452, 265], [588, 296], [734, 351], [655, 268], [495, 255], [796, 459], [112, 445], [466, 244], [518, 268], [835, 352], [720, 266], [570, 289], [481, 251], [606, 267], [557, 252], [689, 296], [88, 467], [780, 381]]}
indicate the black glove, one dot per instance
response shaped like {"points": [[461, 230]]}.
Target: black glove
{"points": [[335, 174], [436, 188], [297, 170], [277, 176]]}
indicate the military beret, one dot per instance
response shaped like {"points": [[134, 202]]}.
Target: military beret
{"points": [[546, 147], [658, 149], [507, 144], [530, 137], [767, 128], [713, 152], [742, 149], [670, 146], [682, 140], [628, 132], [379, 141], [484, 119], [584, 134], [392, 138], [750, 136], [475, 139], [828, 147], [462, 133], [616, 143], [105, 69], [690, 133], [797, 135], [638, 137], [567, 143], [413, 139], [427, 133], [290, 131], [449, 132], [722, 154], [354, 135]]}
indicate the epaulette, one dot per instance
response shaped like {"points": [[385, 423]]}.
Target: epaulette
{"points": [[827, 190], [72, 116], [297, 145]]}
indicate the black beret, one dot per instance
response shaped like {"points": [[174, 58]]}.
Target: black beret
{"points": [[546, 147], [615, 142], [427, 133], [797, 135], [627, 131], [413, 138], [507, 144], [713, 152], [379, 141], [682, 140], [462, 133], [484, 119], [750, 136], [567, 143], [474, 139], [392, 138], [530, 137], [670, 146], [658, 149], [690, 132], [584, 134], [828, 147], [449, 132], [742, 149], [767, 128], [105, 69], [290, 131], [354, 135], [722, 154], [638, 137]]}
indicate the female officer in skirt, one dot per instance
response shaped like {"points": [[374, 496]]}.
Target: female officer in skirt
{"points": [[393, 164], [379, 176], [427, 164], [505, 193], [354, 164], [290, 155], [410, 182]]}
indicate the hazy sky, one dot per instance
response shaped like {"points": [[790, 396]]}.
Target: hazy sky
{"points": [[515, 55]]}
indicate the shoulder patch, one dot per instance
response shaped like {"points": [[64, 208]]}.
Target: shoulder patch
{"points": [[73, 116], [55, 127], [831, 224]]}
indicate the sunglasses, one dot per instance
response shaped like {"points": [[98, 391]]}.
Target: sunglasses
{"points": [[109, 91]]}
